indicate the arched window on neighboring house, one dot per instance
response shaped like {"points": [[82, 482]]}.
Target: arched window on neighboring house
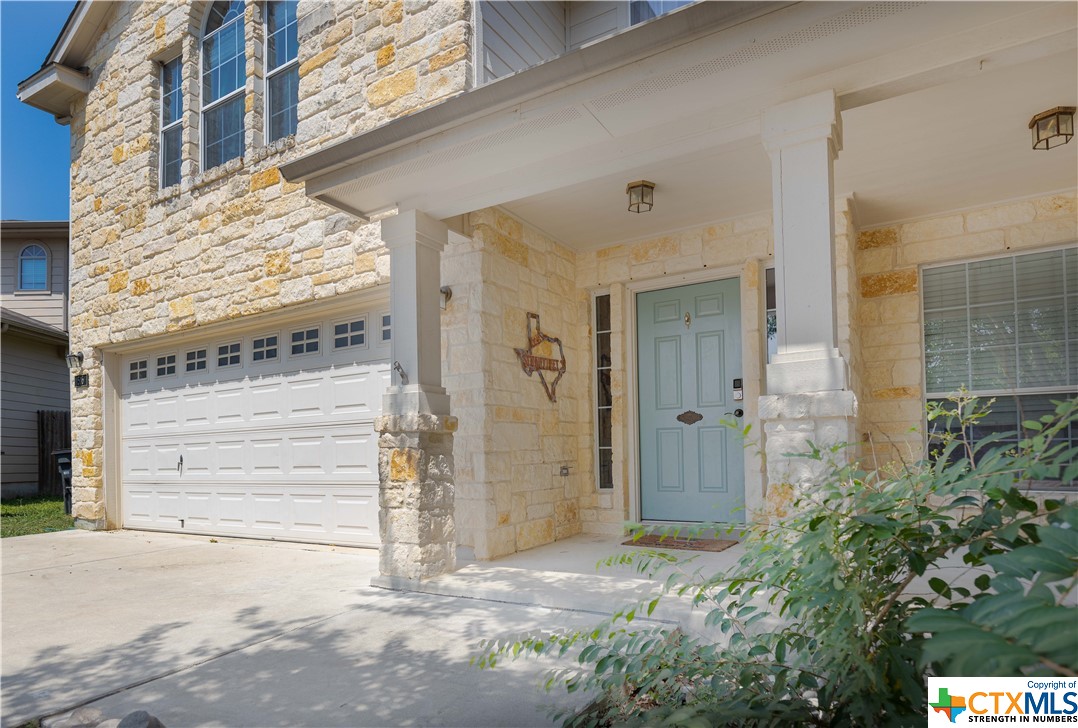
{"points": [[282, 69], [224, 73], [33, 268]]}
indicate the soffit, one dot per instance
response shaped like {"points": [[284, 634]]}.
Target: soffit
{"points": [[690, 110]]}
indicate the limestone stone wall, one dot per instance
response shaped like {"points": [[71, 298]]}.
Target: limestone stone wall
{"points": [[888, 263], [512, 440], [740, 247], [236, 240], [848, 299]]}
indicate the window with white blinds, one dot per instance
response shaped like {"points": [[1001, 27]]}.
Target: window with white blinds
{"points": [[1005, 329], [1004, 325]]}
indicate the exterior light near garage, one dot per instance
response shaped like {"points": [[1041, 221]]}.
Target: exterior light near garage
{"points": [[74, 363], [1052, 128], [641, 195]]}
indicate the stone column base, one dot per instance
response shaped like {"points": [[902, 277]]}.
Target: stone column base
{"points": [[793, 421], [415, 497]]}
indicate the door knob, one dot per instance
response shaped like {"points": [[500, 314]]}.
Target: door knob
{"points": [[736, 413]]}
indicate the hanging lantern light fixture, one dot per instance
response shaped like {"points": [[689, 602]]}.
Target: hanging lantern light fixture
{"points": [[641, 195], [1052, 128]]}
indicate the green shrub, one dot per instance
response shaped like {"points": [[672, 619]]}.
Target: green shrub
{"points": [[837, 614]]}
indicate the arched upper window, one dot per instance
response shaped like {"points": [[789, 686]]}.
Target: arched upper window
{"points": [[33, 268], [282, 77], [224, 73]]}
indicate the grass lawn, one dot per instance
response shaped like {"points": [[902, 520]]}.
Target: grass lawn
{"points": [[23, 516]]}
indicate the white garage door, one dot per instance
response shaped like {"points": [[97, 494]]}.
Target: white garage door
{"points": [[269, 434]]}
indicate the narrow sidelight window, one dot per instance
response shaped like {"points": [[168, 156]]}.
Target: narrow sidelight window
{"points": [[224, 73], [604, 403], [171, 122], [282, 80]]}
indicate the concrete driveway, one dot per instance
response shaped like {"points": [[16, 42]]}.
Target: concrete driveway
{"points": [[249, 633]]}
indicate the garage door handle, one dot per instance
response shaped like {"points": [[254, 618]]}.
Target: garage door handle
{"points": [[179, 465]]}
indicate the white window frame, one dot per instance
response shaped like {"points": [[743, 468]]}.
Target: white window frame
{"points": [[348, 322], [594, 364], [320, 338], [142, 373], [187, 360], [382, 328], [238, 354], [1009, 392], [165, 128], [271, 72], [158, 365], [263, 337], [205, 108], [18, 268]]}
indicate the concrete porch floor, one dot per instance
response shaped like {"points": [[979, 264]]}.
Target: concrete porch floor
{"points": [[569, 575]]}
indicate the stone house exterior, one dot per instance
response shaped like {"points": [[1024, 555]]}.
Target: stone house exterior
{"points": [[308, 242]]}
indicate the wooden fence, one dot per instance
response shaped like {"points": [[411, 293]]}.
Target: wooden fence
{"points": [[53, 433]]}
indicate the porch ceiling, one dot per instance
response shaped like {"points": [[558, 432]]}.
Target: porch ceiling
{"points": [[935, 99], [943, 148]]}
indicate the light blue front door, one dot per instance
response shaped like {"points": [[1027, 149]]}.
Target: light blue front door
{"points": [[689, 349]]}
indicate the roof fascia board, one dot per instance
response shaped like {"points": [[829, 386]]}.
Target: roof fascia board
{"points": [[72, 28], [34, 227], [632, 44], [18, 323]]}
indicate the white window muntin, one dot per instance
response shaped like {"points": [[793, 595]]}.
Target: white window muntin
{"points": [[285, 71], [1067, 297], [170, 144], [229, 354], [603, 403], [350, 333], [305, 341], [385, 328], [33, 270], [195, 360], [165, 365], [266, 347], [138, 370], [210, 105]]}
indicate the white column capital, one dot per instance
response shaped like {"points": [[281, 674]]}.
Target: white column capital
{"points": [[412, 227], [810, 118]]}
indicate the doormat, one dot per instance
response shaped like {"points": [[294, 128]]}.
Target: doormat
{"points": [[681, 544]]}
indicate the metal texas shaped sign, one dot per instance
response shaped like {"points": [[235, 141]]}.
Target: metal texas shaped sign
{"points": [[533, 362]]}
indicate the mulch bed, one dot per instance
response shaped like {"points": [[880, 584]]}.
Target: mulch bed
{"points": [[681, 544]]}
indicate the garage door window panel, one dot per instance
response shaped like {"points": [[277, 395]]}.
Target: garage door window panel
{"points": [[166, 365], [195, 360], [229, 355], [265, 348], [349, 334], [305, 341], [138, 370], [387, 330]]}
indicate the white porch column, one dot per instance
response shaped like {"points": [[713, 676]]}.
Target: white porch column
{"points": [[415, 243], [415, 441], [807, 380]]}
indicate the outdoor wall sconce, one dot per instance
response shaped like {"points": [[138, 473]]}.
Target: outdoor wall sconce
{"points": [[1052, 128], [641, 195], [447, 293], [74, 363]]}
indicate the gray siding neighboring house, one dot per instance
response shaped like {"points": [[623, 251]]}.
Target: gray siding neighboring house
{"points": [[34, 340]]}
